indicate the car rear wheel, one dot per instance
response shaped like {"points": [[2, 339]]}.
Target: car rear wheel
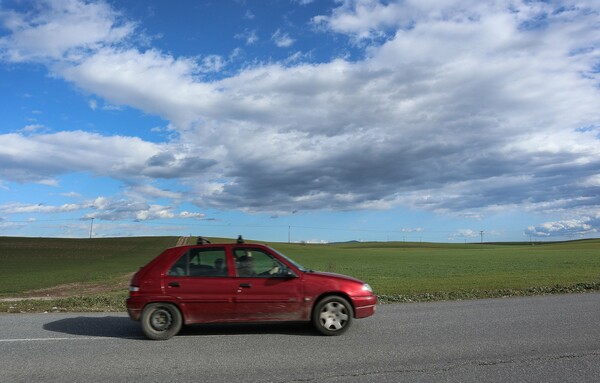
{"points": [[161, 321], [332, 315]]}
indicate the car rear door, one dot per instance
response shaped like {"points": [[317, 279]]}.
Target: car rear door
{"points": [[200, 281]]}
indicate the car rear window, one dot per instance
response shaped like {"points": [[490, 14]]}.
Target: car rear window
{"points": [[201, 262]]}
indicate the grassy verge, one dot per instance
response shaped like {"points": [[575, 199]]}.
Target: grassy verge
{"points": [[115, 302], [112, 302], [480, 294]]}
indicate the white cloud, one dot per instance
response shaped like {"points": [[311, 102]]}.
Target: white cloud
{"points": [[282, 40], [33, 128], [60, 29], [304, 2], [99, 203], [187, 214], [37, 158], [465, 233], [367, 18], [212, 63], [11, 225], [130, 209], [250, 36], [146, 191], [21, 208], [71, 195], [134, 208], [138, 79], [572, 228], [455, 107]]}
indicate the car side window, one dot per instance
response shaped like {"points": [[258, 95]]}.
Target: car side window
{"points": [[257, 263], [199, 262]]}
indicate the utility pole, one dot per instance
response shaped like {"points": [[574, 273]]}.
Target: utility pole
{"points": [[481, 233], [289, 234], [91, 227]]}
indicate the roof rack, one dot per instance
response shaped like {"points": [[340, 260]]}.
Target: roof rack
{"points": [[202, 241]]}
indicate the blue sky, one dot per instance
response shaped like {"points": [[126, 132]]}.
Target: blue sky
{"points": [[316, 121]]}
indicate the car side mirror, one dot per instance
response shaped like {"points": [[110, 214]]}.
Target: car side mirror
{"points": [[289, 273]]}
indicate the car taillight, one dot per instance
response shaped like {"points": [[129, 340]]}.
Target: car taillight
{"points": [[134, 290]]}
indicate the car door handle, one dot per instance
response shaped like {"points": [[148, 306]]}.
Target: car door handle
{"points": [[174, 284], [248, 285]]}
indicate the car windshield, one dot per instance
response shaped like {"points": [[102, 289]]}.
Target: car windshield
{"points": [[296, 264]]}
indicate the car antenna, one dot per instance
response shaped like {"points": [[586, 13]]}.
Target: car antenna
{"points": [[240, 240], [202, 241]]}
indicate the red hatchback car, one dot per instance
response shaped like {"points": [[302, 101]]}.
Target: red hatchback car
{"points": [[228, 283]]}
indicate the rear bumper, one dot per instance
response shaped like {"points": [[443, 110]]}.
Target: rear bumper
{"points": [[364, 306], [135, 305]]}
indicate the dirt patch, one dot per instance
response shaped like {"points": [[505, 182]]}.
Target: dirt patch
{"points": [[73, 289], [183, 241]]}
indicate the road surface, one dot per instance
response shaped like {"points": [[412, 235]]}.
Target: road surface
{"points": [[534, 339]]}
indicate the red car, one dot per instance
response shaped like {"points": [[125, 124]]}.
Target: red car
{"points": [[227, 283]]}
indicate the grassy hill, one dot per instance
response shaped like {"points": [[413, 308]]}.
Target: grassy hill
{"points": [[35, 263], [398, 271]]}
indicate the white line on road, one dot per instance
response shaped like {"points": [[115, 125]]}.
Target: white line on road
{"points": [[70, 338]]}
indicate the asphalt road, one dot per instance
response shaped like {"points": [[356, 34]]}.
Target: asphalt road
{"points": [[538, 339]]}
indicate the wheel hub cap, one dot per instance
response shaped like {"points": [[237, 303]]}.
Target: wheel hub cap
{"points": [[334, 316]]}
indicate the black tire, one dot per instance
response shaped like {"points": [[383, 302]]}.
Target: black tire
{"points": [[332, 315], [161, 321]]}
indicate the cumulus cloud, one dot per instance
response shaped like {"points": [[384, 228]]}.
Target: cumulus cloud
{"points": [[365, 19], [282, 39], [21, 208], [477, 110], [109, 209], [36, 158], [137, 210], [573, 228], [135, 78], [457, 107], [60, 29], [151, 192], [465, 234], [187, 214], [120, 210]]}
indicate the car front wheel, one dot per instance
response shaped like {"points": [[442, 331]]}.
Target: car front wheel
{"points": [[332, 315], [161, 321]]}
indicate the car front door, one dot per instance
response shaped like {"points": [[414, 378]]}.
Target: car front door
{"points": [[264, 289]]}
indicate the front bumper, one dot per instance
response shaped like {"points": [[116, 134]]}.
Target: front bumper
{"points": [[364, 306]]}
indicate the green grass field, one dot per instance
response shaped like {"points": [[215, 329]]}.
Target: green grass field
{"points": [[398, 271], [412, 269], [35, 263]]}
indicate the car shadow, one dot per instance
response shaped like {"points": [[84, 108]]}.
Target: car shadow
{"points": [[278, 328], [108, 327], [125, 328]]}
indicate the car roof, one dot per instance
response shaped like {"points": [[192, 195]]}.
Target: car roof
{"points": [[227, 245]]}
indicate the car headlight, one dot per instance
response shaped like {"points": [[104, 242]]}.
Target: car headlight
{"points": [[367, 287]]}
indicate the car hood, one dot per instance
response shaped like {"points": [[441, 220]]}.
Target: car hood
{"points": [[322, 274]]}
